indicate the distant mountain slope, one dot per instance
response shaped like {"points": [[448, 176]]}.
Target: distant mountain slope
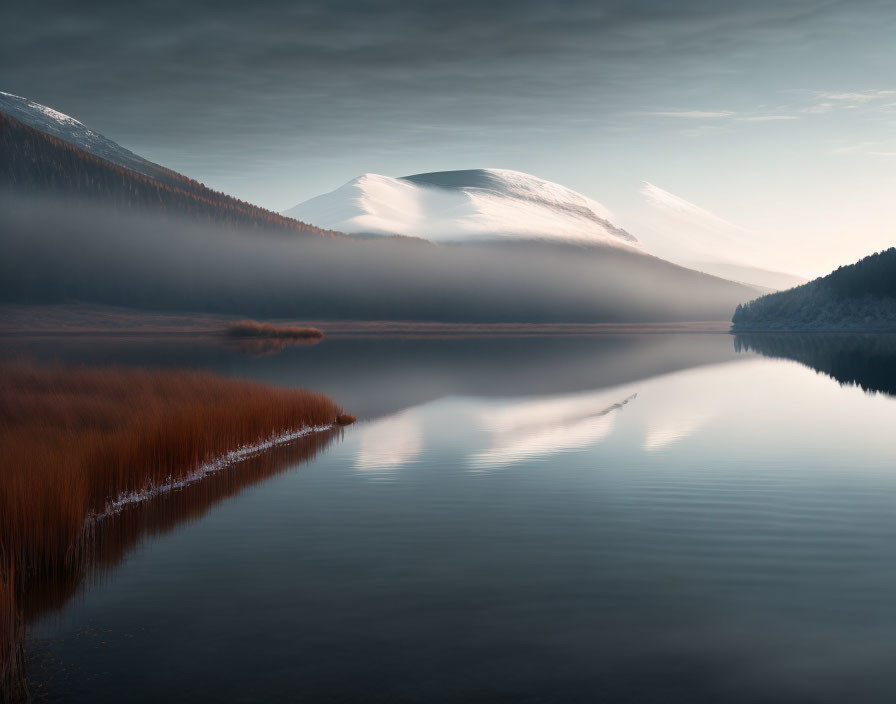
{"points": [[34, 161], [683, 232], [861, 296], [53, 253], [464, 206], [754, 276], [517, 249], [70, 130]]}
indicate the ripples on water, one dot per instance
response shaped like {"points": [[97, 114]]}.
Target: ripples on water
{"points": [[656, 518]]}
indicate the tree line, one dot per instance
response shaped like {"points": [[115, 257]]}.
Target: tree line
{"points": [[33, 161], [860, 296]]}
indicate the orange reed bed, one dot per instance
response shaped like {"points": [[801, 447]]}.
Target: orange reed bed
{"points": [[73, 441], [13, 685], [252, 328]]}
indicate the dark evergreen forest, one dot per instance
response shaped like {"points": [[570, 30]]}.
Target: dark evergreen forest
{"points": [[860, 296]]}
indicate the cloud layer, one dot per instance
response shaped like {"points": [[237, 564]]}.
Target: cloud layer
{"points": [[226, 86]]}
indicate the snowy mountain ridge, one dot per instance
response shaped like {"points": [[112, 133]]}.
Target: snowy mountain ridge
{"points": [[468, 205], [69, 129]]}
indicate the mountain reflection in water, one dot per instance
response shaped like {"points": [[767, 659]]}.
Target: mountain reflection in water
{"points": [[530, 429], [375, 377]]}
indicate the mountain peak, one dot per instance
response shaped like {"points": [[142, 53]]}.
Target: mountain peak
{"points": [[464, 205]]}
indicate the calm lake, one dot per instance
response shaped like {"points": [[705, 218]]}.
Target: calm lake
{"points": [[643, 518]]}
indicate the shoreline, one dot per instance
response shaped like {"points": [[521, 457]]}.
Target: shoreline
{"points": [[81, 443], [204, 470], [815, 331], [87, 320]]}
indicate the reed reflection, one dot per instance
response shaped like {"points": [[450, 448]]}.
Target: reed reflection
{"points": [[110, 541]]}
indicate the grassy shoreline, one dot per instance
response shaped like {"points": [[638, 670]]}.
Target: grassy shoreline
{"points": [[93, 320], [255, 329], [75, 441]]}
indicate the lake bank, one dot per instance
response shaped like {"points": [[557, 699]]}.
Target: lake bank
{"points": [[79, 443], [74, 319]]}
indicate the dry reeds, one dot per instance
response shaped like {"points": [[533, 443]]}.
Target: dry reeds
{"points": [[12, 639], [75, 440], [252, 328], [265, 346]]}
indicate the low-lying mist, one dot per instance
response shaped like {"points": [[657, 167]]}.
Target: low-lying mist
{"points": [[57, 251]]}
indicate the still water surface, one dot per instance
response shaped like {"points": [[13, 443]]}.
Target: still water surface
{"points": [[657, 518]]}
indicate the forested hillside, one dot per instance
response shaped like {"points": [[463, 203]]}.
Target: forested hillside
{"points": [[33, 161], [860, 296]]}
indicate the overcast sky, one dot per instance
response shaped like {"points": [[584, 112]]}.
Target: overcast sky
{"points": [[775, 118]]}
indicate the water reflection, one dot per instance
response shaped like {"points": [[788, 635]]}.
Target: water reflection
{"points": [[267, 346], [683, 404], [867, 361], [110, 541], [726, 535], [524, 430], [656, 416], [669, 430], [490, 433], [376, 377], [390, 442]]}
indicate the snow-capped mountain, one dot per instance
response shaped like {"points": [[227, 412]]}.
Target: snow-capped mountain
{"points": [[459, 206], [74, 132]]}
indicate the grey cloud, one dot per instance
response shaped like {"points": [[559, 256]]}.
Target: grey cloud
{"points": [[195, 67], [225, 86]]}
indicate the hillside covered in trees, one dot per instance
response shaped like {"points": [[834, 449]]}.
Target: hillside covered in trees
{"points": [[32, 161], [860, 296]]}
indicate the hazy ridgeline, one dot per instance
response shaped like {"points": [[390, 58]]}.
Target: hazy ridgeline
{"points": [[56, 251]]}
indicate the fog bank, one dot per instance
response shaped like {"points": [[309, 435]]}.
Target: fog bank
{"points": [[57, 251]]}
